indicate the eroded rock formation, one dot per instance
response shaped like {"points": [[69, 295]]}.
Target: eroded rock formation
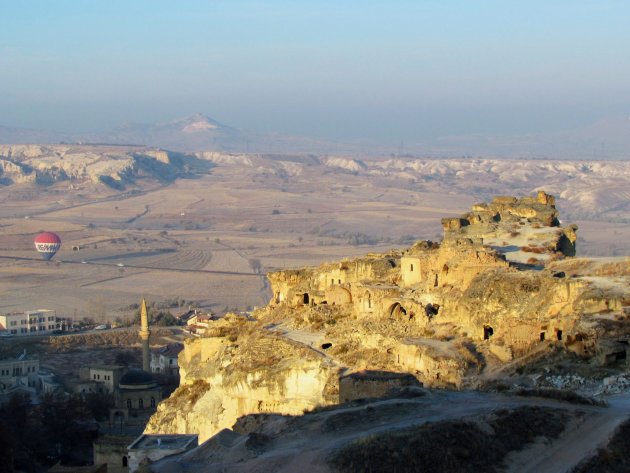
{"points": [[500, 287], [113, 166]]}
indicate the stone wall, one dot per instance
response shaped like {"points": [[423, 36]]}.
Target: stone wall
{"points": [[368, 384]]}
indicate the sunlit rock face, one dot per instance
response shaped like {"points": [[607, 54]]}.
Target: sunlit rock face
{"points": [[501, 284], [112, 166], [226, 376]]}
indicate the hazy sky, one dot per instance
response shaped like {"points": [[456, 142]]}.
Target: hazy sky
{"points": [[392, 70]]}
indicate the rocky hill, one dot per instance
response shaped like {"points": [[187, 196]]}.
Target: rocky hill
{"points": [[452, 314], [588, 189], [111, 166]]}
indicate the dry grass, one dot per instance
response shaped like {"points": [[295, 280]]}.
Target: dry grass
{"points": [[452, 446], [222, 221], [533, 249]]}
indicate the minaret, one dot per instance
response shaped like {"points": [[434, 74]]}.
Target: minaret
{"points": [[144, 334]]}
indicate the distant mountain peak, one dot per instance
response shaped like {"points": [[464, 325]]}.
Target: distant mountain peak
{"points": [[197, 122]]}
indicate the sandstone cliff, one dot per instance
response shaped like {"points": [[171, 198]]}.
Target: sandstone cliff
{"points": [[442, 312], [238, 369]]}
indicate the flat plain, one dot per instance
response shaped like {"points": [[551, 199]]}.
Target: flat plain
{"points": [[210, 236]]}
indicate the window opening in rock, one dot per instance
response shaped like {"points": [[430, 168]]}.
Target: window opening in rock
{"points": [[368, 299], [559, 334], [542, 336], [326, 346], [305, 298], [487, 332], [430, 310]]}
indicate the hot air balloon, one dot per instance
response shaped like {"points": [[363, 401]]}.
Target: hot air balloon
{"points": [[47, 244]]}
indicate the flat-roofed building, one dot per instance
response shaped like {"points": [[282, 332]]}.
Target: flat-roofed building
{"points": [[106, 376], [34, 322]]}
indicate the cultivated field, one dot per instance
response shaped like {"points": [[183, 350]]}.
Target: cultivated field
{"points": [[210, 238]]}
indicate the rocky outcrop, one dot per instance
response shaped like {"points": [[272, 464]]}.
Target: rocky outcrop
{"points": [[441, 312], [226, 376], [112, 166], [12, 172]]}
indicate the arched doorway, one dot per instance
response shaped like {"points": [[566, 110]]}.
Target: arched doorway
{"points": [[397, 310]]}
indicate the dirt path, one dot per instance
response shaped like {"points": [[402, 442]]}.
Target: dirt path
{"points": [[571, 448], [307, 449], [575, 444]]}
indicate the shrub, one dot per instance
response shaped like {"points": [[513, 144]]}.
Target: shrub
{"points": [[533, 249], [450, 446]]}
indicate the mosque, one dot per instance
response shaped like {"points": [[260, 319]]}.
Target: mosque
{"points": [[137, 393]]}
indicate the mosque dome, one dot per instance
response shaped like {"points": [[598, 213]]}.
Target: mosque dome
{"points": [[137, 379]]}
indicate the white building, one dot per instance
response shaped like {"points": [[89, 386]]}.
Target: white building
{"points": [[164, 360], [36, 322], [107, 377], [18, 375], [49, 382], [198, 323]]}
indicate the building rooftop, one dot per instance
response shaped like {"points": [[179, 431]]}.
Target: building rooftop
{"points": [[29, 312], [170, 350], [164, 441], [107, 367], [21, 357], [137, 377]]}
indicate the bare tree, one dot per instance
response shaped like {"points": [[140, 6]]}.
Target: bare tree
{"points": [[95, 309]]}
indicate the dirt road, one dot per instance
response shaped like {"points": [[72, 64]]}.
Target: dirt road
{"points": [[576, 444]]}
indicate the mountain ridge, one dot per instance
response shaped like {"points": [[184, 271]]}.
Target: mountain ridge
{"points": [[607, 138]]}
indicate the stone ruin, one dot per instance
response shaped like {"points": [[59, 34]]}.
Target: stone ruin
{"points": [[502, 286]]}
